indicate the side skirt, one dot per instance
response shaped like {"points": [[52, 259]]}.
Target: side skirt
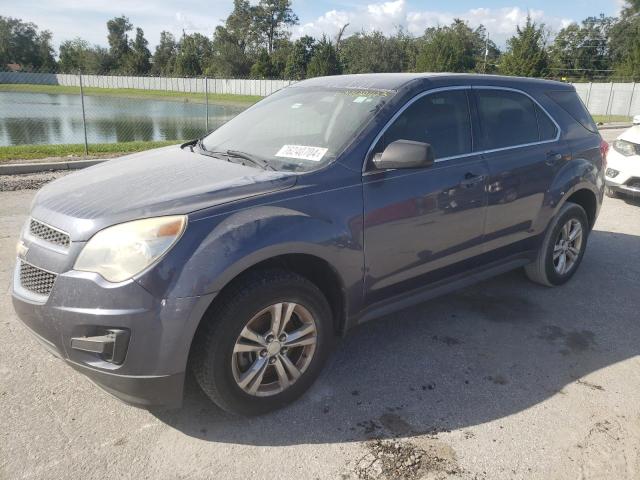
{"points": [[408, 299]]}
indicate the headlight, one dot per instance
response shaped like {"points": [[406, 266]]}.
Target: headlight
{"points": [[120, 252], [611, 173], [625, 148]]}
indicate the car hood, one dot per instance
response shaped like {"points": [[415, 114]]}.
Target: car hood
{"points": [[631, 135], [163, 181]]}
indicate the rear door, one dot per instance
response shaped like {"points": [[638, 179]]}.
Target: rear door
{"points": [[520, 143], [420, 225]]}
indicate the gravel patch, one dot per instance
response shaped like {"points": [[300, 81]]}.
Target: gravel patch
{"points": [[30, 181]]}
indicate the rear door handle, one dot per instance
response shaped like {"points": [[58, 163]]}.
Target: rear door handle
{"points": [[471, 180]]}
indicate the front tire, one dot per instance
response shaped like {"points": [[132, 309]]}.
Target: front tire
{"points": [[263, 343], [562, 249]]}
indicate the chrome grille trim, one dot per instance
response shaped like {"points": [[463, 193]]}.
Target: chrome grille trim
{"points": [[48, 233], [35, 279]]}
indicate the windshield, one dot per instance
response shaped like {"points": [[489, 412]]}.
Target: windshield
{"points": [[298, 128]]}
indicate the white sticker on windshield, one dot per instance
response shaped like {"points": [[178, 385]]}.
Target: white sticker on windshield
{"points": [[302, 152], [359, 99]]}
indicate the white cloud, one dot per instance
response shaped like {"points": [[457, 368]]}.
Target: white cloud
{"points": [[388, 16]]}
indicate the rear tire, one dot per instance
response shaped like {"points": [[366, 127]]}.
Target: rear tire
{"points": [[237, 360], [559, 255]]}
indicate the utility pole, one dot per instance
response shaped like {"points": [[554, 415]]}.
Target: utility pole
{"points": [[486, 53]]}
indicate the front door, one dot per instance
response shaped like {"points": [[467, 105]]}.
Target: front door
{"points": [[421, 225]]}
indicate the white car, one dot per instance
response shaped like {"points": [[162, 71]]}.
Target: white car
{"points": [[623, 163]]}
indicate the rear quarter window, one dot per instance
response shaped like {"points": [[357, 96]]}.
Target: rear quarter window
{"points": [[570, 102]]}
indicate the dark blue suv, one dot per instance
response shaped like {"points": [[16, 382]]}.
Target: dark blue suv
{"points": [[244, 254]]}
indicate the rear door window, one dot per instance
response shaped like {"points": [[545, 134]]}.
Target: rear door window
{"points": [[548, 130], [441, 119], [507, 119]]}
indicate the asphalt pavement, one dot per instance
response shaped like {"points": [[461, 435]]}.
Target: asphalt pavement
{"points": [[502, 380]]}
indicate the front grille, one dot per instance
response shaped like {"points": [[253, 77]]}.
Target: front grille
{"points": [[48, 234], [35, 279]]}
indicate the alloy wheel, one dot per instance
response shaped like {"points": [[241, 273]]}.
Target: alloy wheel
{"points": [[274, 349], [566, 250]]}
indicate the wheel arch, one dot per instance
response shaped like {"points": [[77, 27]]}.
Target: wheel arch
{"points": [[578, 182], [587, 199], [314, 268]]}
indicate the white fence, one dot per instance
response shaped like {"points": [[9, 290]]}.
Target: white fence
{"points": [[170, 84], [610, 98], [600, 98]]}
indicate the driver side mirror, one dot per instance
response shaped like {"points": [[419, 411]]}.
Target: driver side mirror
{"points": [[405, 154]]}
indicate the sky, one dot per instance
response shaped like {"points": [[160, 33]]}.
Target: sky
{"points": [[68, 19]]}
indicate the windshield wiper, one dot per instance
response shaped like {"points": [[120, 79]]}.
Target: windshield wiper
{"points": [[251, 158], [201, 149], [199, 146]]}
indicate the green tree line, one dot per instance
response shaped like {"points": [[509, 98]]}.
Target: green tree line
{"points": [[255, 41]]}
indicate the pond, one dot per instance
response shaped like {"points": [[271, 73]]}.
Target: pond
{"points": [[40, 118]]}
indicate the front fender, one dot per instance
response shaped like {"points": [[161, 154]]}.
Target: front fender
{"points": [[215, 249], [251, 236]]}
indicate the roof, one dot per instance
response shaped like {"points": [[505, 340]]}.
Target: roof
{"points": [[396, 81]]}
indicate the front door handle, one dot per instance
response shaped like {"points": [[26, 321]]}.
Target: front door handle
{"points": [[471, 180]]}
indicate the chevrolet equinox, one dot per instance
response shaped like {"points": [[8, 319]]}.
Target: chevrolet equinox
{"points": [[242, 255]]}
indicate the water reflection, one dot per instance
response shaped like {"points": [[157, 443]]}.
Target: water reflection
{"points": [[28, 118]]}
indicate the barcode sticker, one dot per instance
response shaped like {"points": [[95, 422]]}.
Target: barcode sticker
{"points": [[302, 152]]}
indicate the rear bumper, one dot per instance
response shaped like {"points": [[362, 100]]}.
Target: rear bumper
{"points": [[160, 334]]}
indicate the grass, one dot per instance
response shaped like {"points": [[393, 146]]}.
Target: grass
{"points": [[611, 118], [31, 152], [219, 98]]}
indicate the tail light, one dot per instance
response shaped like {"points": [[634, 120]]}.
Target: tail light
{"points": [[604, 149]]}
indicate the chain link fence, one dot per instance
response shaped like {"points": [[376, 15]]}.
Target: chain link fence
{"points": [[92, 110], [97, 110]]}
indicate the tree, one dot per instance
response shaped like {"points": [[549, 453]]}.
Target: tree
{"points": [[262, 67], [118, 39], [271, 19], [371, 52], [194, 54], [138, 59], [631, 8], [163, 59], [299, 58], [582, 50], [21, 43], [526, 54], [230, 57], [324, 60], [78, 56], [235, 42], [627, 66], [453, 48], [623, 42], [279, 56], [45, 51], [74, 55]]}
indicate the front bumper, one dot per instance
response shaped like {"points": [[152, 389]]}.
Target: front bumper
{"points": [[627, 179], [622, 188], [159, 331]]}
